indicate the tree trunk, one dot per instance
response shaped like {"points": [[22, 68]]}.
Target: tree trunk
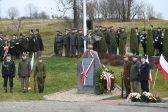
{"points": [[76, 20]]}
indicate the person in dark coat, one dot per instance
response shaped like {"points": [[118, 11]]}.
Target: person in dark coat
{"points": [[143, 40], [66, 42], [12, 48], [134, 74], [126, 75], [59, 43], [39, 43], [144, 75], [80, 43], [31, 44], [73, 43], [8, 72]]}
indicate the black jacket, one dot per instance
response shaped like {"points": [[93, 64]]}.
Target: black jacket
{"points": [[8, 69], [144, 72]]}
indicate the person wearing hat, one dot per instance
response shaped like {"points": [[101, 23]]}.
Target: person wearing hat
{"points": [[134, 74], [58, 45], [24, 70], [144, 74], [126, 75], [158, 41], [122, 41], [40, 75], [8, 72]]}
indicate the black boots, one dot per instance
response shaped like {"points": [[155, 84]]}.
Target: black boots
{"points": [[5, 90]]}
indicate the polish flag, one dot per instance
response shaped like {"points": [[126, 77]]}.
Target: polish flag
{"points": [[163, 66], [150, 73]]}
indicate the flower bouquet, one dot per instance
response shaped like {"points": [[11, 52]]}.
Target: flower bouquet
{"points": [[144, 97], [105, 80], [134, 97]]}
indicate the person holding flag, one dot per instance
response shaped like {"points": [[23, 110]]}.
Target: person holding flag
{"points": [[144, 74]]}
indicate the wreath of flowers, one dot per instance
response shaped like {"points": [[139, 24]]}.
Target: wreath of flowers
{"points": [[144, 97]]}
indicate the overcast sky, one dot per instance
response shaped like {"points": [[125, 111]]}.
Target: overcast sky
{"points": [[50, 6]]}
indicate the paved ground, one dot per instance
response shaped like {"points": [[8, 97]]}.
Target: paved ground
{"points": [[57, 106], [72, 95]]}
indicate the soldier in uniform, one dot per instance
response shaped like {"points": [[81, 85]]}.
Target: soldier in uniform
{"points": [[143, 40], [134, 74], [1, 45], [59, 43], [39, 43], [31, 44], [12, 48], [144, 75], [21, 45], [73, 37], [66, 42], [126, 75], [80, 43], [158, 41], [8, 72], [122, 42], [24, 72], [118, 31], [40, 74]]}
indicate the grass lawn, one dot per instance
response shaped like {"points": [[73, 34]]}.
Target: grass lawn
{"points": [[61, 75]]}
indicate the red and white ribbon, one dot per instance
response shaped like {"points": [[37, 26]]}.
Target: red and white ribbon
{"points": [[108, 79], [84, 72], [6, 49]]}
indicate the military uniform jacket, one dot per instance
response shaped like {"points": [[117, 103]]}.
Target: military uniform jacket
{"points": [[144, 72], [40, 70], [143, 38], [24, 68], [73, 37], [127, 67], [134, 71], [8, 69], [66, 39], [39, 42]]}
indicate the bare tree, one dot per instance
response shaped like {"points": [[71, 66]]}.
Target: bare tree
{"points": [[30, 8], [13, 12], [65, 5], [150, 12]]}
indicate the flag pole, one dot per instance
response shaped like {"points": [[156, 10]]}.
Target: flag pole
{"points": [[84, 23], [155, 79]]}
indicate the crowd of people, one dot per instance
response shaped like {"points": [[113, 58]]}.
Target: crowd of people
{"points": [[70, 42], [136, 73], [21, 47], [17, 45]]}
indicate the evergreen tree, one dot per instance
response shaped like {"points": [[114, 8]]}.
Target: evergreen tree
{"points": [[113, 43], [165, 43], [134, 48], [102, 47], [150, 47]]}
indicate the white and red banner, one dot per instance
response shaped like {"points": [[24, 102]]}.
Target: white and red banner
{"points": [[163, 66], [108, 79]]}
